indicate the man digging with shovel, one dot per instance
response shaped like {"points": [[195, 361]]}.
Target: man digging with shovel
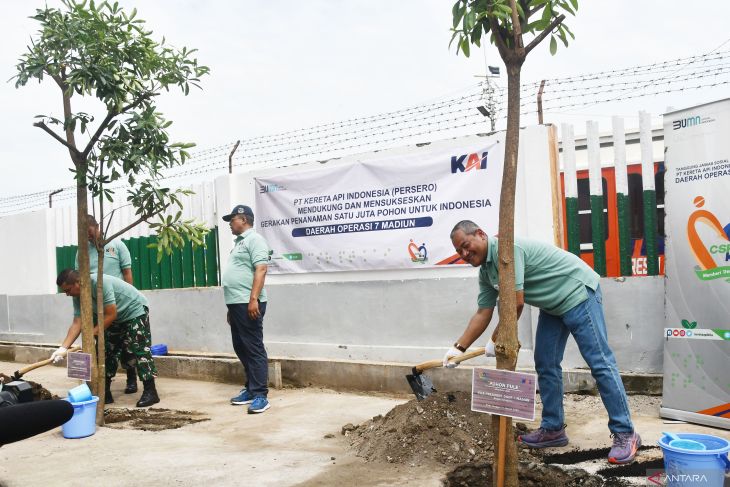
{"points": [[126, 327], [568, 294]]}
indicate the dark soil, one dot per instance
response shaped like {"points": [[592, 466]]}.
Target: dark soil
{"points": [[530, 475], [152, 419], [40, 393], [577, 456]]}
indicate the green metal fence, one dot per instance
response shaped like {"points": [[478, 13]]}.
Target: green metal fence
{"points": [[186, 267]]}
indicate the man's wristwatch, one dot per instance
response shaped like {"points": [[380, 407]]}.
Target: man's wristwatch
{"points": [[460, 347]]}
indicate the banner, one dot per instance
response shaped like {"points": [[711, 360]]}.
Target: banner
{"points": [[697, 348], [392, 213]]}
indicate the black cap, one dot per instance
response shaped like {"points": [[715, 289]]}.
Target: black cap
{"points": [[239, 210]]}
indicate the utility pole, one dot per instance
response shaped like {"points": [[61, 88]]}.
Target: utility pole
{"points": [[490, 109], [50, 197]]}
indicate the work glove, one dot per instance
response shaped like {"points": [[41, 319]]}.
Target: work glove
{"points": [[489, 349], [58, 355], [452, 352]]}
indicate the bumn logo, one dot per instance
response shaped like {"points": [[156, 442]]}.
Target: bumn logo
{"points": [[467, 162], [686, 122], [270, 188]]}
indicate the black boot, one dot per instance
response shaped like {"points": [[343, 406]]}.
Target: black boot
{"points": [[108, 398], [131, 381], [149, 395]]}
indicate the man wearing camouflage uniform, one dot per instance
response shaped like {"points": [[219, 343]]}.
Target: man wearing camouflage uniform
{"points": [[126, 329]]}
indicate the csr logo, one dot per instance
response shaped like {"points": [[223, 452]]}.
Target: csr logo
{"points": [[467, 162]]}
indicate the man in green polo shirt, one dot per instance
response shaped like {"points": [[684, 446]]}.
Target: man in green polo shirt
{"points": [[245, 296], [117, 263], [568, 294], [126, 329]]}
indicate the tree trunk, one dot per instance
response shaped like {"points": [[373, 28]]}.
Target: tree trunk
{"points": [[101, 337], [82, 229], [506, 343], [87, 319]]}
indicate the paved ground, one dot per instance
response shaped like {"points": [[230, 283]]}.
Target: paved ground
{"points": [[283, 447]]}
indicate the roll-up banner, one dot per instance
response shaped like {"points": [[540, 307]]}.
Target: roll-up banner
{"points": [[392, 213], [697, 334]]}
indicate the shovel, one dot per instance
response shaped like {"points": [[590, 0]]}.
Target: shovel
{"points": [[422, 385], [20, 373]]}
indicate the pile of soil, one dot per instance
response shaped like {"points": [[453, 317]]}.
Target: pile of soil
{"points": [[152, 419], [442, 429], [40, 393]]}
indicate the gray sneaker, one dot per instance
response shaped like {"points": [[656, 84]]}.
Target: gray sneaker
{"points": [[624, 447], [542, 438]]}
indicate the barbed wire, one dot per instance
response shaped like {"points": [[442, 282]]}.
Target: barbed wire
{"points": [[669, 64], [336, 139]]}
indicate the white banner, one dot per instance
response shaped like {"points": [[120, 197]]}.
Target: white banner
{"points": [[697, 159], [391, 213]]}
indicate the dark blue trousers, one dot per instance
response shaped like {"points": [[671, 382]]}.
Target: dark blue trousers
{"points": [[248, 342]]}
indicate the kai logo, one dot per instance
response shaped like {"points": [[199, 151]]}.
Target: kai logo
{"points": [[468, 162], [417, 254], [689, 325]]}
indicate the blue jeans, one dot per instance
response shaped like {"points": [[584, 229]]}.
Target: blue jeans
{"points": [[248, 342], [588, 327]]}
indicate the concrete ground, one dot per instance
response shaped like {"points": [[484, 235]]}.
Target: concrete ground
{"points": [[285, 446]]}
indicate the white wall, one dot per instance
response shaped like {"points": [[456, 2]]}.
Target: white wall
{"points": [[27, 255]]}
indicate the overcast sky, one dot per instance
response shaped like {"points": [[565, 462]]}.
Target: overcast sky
{"points": [[283, 65]]}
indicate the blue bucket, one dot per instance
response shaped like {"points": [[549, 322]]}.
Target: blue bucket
{"points": [[692, 467], [160, 349], [83, 422]]}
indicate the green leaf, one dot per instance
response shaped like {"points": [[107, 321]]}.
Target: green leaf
{"points": [[553, 45], [465, 46], [457, 12]]}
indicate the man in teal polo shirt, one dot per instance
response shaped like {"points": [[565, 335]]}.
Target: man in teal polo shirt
{"points": [[117, 263], [568, 294], [245, 296], [126, 329]]}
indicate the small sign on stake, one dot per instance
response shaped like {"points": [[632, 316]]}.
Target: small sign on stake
{"points": [[79, 365], [504, 393]]}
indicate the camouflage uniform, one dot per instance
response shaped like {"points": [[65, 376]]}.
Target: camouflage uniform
{"points": [[132, 338]]}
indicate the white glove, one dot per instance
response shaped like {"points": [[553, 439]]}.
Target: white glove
{"points": [[58, 355], [452, 352], [489, 349]]}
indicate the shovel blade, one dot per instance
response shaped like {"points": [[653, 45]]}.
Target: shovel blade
{"points": [[421, 385]]}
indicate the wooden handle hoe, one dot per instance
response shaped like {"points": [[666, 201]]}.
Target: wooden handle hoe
{"points": [[421, 385], [19, 373]]}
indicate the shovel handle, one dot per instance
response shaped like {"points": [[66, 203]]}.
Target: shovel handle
{"points": [[47, 361], [454, 360]]}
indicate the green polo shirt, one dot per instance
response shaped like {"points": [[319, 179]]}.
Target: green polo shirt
{"points": [[551, 278], [116, 258], [249, 250], [130, 302]]}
